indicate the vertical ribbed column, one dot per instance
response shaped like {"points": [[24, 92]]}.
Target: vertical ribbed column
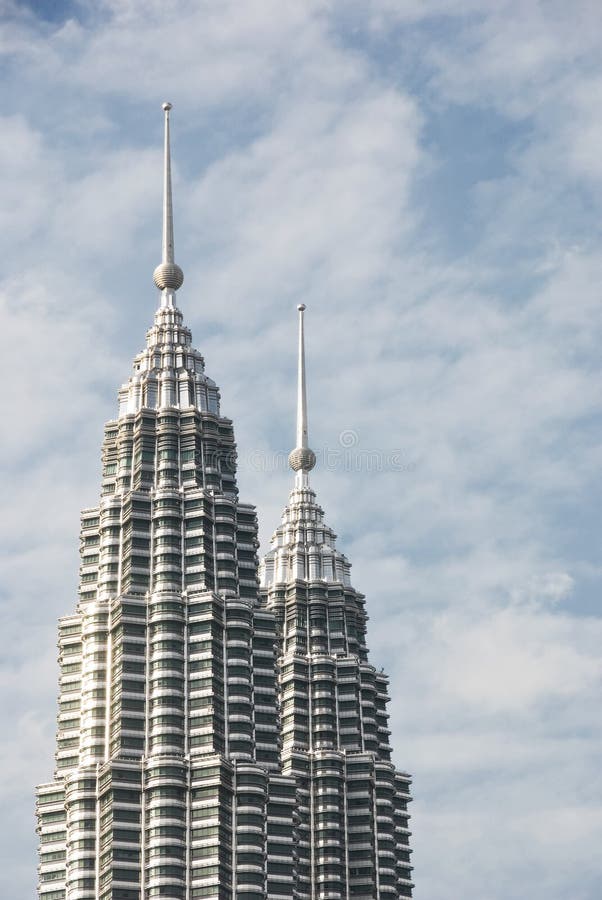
{"points": [[323, 703], [206, 683], [238, 657], [384, 806], [166, 653], [165, 810], [281, 852], [251, 798], [109, 549], [127, 644], [119, 830], [70, 696], [368, 706], [211, 832], [265, 720], [402, 833], [95, 618], [166, 782], [80, 802], [168, 450], [51, 828], [125, 456], [328, 833]]}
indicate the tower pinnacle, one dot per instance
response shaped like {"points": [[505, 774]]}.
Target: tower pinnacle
{"points": [[301, 459], [167, 275]]}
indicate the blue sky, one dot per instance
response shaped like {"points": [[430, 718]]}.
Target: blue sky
{"points": [[427, 178]]}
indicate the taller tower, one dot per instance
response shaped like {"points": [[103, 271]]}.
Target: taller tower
{"points": [[352, 828], [168, 781]]}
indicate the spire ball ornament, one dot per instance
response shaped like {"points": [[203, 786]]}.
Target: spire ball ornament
{"points": [[302, 459], [168, 275]]}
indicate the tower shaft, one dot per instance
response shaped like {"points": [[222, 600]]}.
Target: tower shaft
{"points": [[168, 779], [353, 835]]}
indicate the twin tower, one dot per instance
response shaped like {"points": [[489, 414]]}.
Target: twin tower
{"points": [[221, 732]]}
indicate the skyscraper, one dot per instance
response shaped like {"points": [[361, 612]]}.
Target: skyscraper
{"points": [[172, 777], [352, 828]]}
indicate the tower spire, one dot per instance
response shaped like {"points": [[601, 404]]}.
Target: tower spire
{"points": [[301, 459], [167, 276]]}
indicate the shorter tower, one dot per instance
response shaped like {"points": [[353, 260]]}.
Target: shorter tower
{"points": [[352, 828]]}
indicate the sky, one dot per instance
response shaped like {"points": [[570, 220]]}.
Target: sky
{"points": [[426, 176]]}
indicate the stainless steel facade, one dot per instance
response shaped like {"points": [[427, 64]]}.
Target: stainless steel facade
{"points": [[213, 741], [352, 828]]}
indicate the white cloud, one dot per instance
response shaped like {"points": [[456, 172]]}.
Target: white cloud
{"points": [[22, 163], [49, 358], [308, 162], [343, 170], [510, 659]]}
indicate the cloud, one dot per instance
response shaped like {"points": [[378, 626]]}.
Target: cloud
{"points": [[343, 168], [425, 177]]}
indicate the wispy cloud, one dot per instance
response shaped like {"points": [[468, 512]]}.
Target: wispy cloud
{"points": [[426, 177]]}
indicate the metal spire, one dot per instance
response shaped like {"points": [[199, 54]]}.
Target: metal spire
{"points": [[301, 459], [167, 276]]}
